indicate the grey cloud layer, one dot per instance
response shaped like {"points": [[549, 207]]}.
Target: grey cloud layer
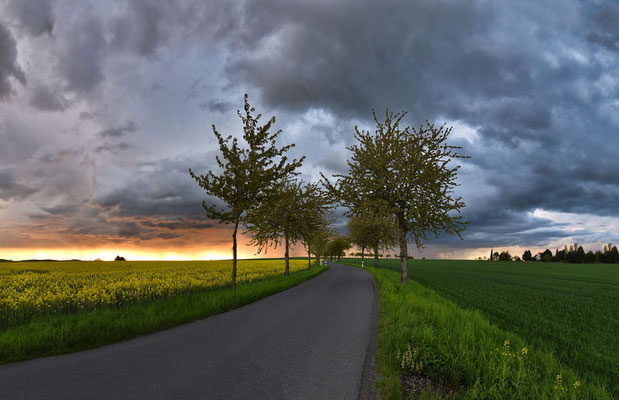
{"points": [[537, 81]]}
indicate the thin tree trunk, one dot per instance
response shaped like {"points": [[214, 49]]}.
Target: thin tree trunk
{"points": [[375, 256], [236, 227], [309, 256], [318, 260], [287, 257], [362, 255], [403, 255]]}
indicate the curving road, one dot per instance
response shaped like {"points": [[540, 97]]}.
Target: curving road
{"points": [[308, 342]]}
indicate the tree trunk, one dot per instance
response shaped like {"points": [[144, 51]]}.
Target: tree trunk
{"points": [[403, 255], [375, 256], [362, 255], [287, 272], [309, 256], [318, 260], [236, 227]]}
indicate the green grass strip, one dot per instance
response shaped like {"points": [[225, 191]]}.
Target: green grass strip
{"points": [[58, 334], [462, 349]]}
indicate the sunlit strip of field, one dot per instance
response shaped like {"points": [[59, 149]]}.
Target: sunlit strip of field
{"points": [[29, 289], [567, 309]]}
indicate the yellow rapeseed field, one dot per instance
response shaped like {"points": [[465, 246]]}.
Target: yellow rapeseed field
{"points": [[34, 288]]}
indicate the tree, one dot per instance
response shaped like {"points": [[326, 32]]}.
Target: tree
{"points": [[337, 246], [374, 231], [248, 173], [316, 221], [119, 258], [319, 243], [547, 255], [290, 206], [526, 256], [405, 173], [505, 256]]}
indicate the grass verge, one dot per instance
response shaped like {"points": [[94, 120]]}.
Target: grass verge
{"points": [[58, 334], [422, 334]]}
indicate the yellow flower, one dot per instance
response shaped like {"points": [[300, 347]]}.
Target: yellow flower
{"points": [[576, 385]]}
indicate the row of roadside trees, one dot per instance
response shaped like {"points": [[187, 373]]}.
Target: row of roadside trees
{"points": [[399, 188]]}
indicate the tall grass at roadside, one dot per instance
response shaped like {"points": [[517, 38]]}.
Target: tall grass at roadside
{"points": [[423, 334], [567, 309], [56, 334]]}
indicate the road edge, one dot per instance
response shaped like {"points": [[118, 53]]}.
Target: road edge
{"points": [[368, 391]]}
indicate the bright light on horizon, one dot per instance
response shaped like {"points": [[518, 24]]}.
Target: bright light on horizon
{"points": [[105, 254]]}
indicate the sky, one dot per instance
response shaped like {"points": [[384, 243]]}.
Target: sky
{"points": [[105, 105]]}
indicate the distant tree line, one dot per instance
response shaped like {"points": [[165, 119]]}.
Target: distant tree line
{"points": [[573, 254]]}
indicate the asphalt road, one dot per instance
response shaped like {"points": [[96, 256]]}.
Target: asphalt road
{"points": [[308, 342]]}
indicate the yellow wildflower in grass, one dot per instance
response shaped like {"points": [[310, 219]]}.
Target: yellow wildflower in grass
{"points": [[506, 351], [576, 385], [29, 289]]}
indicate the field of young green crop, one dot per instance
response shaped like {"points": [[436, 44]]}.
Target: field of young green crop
{"points": [[570, 310]]}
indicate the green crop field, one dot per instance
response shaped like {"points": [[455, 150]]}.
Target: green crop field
{"points": [[570, 310]]}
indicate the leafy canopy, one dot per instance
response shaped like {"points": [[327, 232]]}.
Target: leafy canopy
{"points": [[293, 211], [405, 173], [248, 172]]}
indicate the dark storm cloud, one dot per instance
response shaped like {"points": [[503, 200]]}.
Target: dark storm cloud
{"points": [[537, 82], [11, 189], [140, 28], [35, 16], [88, 116], [119, 131], [604, 26], [80, 57], [112, 148], [217, 106], [44, 99], [162, 188], [8, 64], [67, 209]]}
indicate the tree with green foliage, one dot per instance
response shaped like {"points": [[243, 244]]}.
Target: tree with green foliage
{"points": [[316, 221], [505, 256], [337, 246], [291, 209], [358, 235], [374, 231], [247, 173], [406, 173], [547, 255], [319, 243], [526, 256]]}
